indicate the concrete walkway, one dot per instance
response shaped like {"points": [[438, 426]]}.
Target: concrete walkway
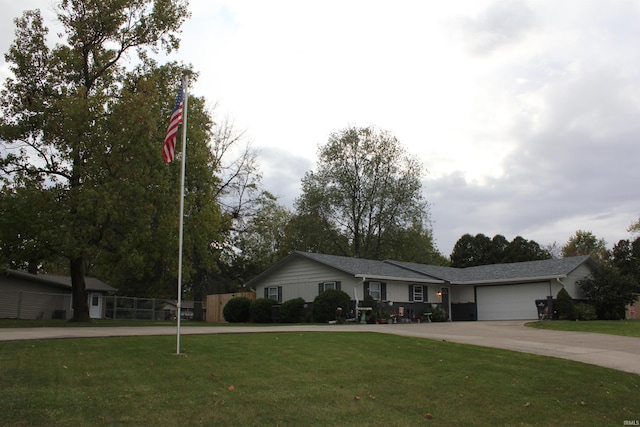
{"points": [[621, 353]]}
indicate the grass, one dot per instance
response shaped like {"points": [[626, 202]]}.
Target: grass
{"points": [[107, 323], [58, 323], [294, 379], [629, 328]]}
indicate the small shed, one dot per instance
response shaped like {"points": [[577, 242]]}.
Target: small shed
{"points": [[25, 295]]}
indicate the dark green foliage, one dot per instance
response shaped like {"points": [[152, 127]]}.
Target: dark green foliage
{"points": [[585, 312], [438, 315], [292, 310], [325, 305], [476, 250], [626, 257], [565, 306], [609, 292], [521, 250], [471, 251], [261, 309], [237, 310], [80, 118]]}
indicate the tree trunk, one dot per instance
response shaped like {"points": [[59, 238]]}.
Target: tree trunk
{"points": [[78, 291]]}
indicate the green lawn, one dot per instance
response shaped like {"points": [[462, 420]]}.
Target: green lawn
{"points": [[48, 323], [302, 379], [629, 328]]}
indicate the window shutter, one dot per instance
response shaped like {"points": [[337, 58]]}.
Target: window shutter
{"points": [[338, 285], [383, 291], [320, 287], [410, 292], [366, 289], [266, 292], [279, 293], [425, 295]]}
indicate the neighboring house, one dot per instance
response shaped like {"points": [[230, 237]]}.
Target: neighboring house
{"points": [[488, 292], [170, 308], [44, 296]]}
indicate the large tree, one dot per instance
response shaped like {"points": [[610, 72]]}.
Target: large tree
{"points": [[586, 243], [609, 291], [262, 240], [521, 249], [365, 191], [473, 250], [480, 250], [57, 110], [625, 256], [143, 240]]}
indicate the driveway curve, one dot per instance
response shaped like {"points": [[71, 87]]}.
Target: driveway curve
{"points": [[616, 352]]}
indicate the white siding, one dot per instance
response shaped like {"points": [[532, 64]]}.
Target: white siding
{"points": [[570, 281], [511, 302], [462, 294], [300, 278]]}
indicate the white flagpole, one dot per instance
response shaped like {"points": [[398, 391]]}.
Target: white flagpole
{"points": [[185, 100]]}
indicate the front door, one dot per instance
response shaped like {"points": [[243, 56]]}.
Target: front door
{"points": [[445, 301], [95, 305]]}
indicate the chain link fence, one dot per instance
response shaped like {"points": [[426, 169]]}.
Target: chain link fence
{"points": [[132, 308]]}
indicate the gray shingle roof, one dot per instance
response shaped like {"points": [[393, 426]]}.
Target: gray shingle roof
{"points": [[422, 273], [367, 268], [549, 268], [92, 284]]}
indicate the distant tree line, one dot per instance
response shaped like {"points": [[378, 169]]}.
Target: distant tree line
{"points": [[475, 250]]}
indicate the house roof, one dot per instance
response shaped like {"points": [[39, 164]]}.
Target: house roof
{"points": [[92, 284], [423, 273], [494, 273], [369, 269], [358, 267]]}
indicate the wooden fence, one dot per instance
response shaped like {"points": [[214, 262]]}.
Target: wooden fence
{"points": [[216, 303]]}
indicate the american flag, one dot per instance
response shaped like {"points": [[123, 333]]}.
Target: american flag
{"points": [[169, 146]]}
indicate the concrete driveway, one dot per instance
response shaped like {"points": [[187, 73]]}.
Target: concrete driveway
{"points": [[621, 353]]}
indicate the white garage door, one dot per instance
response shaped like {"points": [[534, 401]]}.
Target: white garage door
{"points": [[510, 302]]}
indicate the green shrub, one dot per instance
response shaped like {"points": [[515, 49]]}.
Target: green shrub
{"points": [[585, 312], [260, 310], [565, 306], [237, 310], [325, 305], [291, 311], [438, 314]]}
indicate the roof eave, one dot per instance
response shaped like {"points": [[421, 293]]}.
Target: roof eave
{"points": [[510, 280], [399, 279]]}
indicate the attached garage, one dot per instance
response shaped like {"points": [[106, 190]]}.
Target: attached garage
{"points": [[510, 302]]}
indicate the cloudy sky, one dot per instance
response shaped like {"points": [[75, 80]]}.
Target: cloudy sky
{"points": [[526, 114]]}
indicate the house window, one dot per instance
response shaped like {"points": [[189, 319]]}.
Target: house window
{"points": [[323, 286], [418, 293], [274, 293], [328, 285], [375, 290]]}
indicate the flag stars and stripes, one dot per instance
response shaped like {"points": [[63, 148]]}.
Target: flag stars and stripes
{"points": [[169, 147]]}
